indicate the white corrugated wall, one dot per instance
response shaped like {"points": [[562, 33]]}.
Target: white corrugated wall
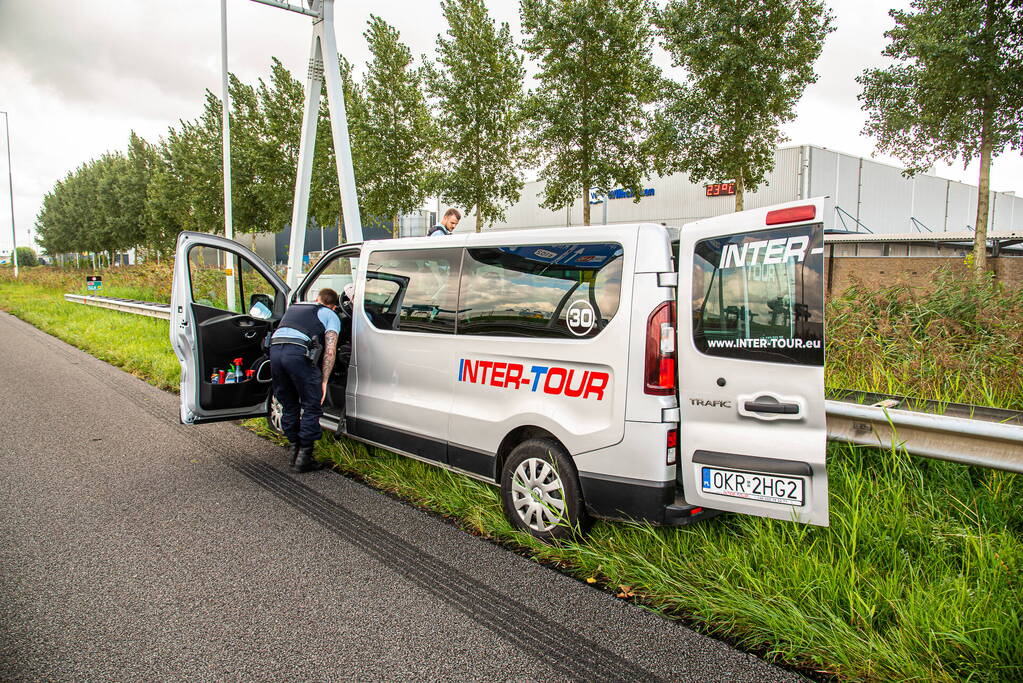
{"points": [[877, 194]]}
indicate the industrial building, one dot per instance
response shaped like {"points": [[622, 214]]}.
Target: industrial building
{"points": [[870, 197]]}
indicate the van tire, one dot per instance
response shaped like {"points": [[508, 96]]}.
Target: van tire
{"points": [[547, 502]]}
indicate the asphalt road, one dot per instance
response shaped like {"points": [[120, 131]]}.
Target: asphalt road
{"points": [[133, 548]]}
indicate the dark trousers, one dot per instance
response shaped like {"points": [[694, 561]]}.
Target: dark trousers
{"points": [[298, 386]]}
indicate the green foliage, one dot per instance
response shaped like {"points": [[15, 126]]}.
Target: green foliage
{"points": [[589, 116], [399, 134], [959, 342], [917, 578], [955, 91], [748, 65], [958, 65], [26, 257], [477, 81], [280, 103]]}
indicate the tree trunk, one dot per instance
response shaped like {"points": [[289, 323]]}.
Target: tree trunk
{"points": [[740, 191], [394, 226], [586, 205], [983, 198], [340, 229]]}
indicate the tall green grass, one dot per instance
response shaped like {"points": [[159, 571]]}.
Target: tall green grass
{"points": [[919, 576], [960, 342]]}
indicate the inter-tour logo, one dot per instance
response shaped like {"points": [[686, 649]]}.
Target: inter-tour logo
{"points": [[548, 379]]}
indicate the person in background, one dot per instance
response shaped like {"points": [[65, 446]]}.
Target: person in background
{"points": [[299, 381], [447, 224]]}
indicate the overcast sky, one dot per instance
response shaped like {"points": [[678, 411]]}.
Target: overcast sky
{"points": [[77, 75]]}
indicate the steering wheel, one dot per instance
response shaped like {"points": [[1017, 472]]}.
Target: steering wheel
{"points": [[345, 304]]}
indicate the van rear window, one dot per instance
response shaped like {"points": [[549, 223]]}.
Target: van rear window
{"points": [[556, 290], [760, 295]]}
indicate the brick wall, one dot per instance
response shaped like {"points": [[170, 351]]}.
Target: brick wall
{"points": [[917, 270]]}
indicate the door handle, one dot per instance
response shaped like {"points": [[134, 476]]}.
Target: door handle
{"points": [[772, 407], [250, 335]]}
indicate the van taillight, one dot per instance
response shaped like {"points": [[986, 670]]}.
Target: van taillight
{"points": [[660, 350], [671, 454]]}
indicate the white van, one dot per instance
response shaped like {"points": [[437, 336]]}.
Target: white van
{"points": [[549, 362]]}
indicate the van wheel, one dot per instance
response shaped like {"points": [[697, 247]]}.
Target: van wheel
{"points": [[274, 415], [541, 493]]}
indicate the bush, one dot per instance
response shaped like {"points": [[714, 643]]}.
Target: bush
{"points": [[26, 257]]}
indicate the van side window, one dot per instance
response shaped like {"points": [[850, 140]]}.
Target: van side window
{"points": [[413, 291], [757, 296], [558, 290], [213, 271]]}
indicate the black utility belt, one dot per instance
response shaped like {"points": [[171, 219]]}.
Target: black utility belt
{"points": [[313, 349], [295, 342]]}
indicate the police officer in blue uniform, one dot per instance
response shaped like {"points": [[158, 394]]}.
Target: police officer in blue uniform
{"points": [[306, 331]]}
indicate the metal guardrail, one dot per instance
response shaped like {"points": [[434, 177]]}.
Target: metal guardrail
{"points": [[987, 438], [153, 310], [971, 435]]}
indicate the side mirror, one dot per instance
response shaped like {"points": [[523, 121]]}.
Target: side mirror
{"points": [[261, 306]]}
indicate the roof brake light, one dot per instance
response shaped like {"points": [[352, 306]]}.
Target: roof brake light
{"points": [[792, 214]]}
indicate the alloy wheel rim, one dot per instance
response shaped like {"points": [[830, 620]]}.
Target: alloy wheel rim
{"points": [[276, 412], [538, 494]]}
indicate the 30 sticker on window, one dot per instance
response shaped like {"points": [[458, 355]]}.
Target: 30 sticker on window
{"points": [[580, 318]]}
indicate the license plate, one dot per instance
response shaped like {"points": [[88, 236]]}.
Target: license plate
{"points": [[752, 486]]}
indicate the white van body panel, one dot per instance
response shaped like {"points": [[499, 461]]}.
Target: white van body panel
{"points": [[639, 456]]}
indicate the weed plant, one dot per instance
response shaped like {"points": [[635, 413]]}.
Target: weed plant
{"points": [[917, 578]]}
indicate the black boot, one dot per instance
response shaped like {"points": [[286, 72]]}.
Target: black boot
{"points": [[293, 452], [305, 461]]}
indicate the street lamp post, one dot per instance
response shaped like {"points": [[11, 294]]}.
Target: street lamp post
{"points": [[10, 186]]}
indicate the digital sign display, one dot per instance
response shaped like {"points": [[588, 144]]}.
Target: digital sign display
{"points": [[720, 189]]}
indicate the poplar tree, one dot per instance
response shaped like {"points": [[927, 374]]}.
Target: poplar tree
{"points": [[141, 162], [166, 202], [589, 116], [748, 63], [956, 90], [477, 81], [280, 105], [399, 140]]}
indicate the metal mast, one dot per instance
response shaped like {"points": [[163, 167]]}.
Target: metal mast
{"points": [[323, 62], [232, 262]]}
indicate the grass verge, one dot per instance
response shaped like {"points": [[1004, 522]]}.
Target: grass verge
{"points": [[920, 576], [135, 343]]}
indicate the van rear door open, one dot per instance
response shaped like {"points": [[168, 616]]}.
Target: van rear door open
{"points": [[751, 362], [223, 302]]}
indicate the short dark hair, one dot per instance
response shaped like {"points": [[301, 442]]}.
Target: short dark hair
{"points": [[453, 212], [327, 297]]}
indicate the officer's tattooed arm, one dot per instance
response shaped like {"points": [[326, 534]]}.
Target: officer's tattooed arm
{"points": [[329, 352]]}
